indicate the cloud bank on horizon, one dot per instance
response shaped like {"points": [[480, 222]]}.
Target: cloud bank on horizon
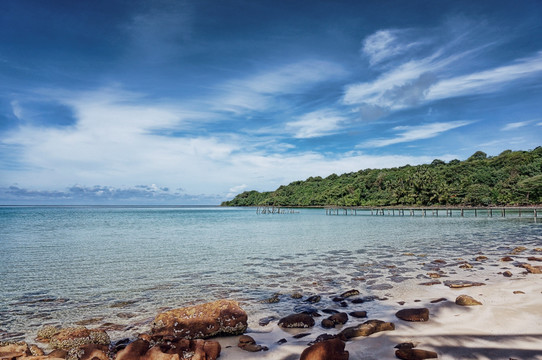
{"points": [[191, 102]]}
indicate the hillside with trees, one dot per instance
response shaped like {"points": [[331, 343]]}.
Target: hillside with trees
{"points": [[511, 178]]}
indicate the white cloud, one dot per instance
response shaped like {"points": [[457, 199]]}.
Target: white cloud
{"points": [[236, 190], [261, 91], [515, 125], [315, 124], [487, 81], [386, 44], [413, 133], [17, 109]]}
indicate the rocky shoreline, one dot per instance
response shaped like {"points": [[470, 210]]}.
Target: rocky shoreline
{"points": [[342, 325]]}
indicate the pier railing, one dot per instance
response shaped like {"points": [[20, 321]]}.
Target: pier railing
{"points": [[433, 211]]}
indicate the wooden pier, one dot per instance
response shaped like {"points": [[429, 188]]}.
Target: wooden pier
{"points": [[431, 211], [275, 210]]}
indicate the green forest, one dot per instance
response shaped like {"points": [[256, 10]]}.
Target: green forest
{"points": [[511, 178]]}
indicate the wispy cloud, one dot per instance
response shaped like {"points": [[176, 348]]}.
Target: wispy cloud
{"points": [[488, 81], [413, 133], [263, 90], [317, 123], [515, 125]]}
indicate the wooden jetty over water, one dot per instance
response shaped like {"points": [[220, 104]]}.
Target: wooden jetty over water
{"points": [[275, 210], [434, 211]]}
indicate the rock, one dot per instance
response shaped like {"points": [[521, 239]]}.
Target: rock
{"points": [[438, 300], [430, 283], [507, 273], [358, 314], [456, 284], [337, 299], [421, 314], [518, 292], [438, 261], [282, 341], [465, 300], [183, 349], [330, 311], [313, 299], [335, 319], [323, 337], [367, 328], [296, 295], [433, 275], [221, 317], [415, 354], [89, 352], [302, 335], [297, 321], [326, 350], [349, 293], [36, 350], [134, 350], [266, 320], [481, 258], [46, 333], [465, 266], [328, 324], [343, 304], [537, 249], [401, 303], [272, 300], [534, 258], [519, 250], [307, 309], [405, 345], [507, 258], [247, 343], [14, 350], [69, 338], [532, 269]]}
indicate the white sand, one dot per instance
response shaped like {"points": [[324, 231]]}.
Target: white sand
{"points": [[506, 326]]}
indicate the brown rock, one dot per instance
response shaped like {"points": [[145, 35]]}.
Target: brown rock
{"points": [[328, 324], [58, 353], [430, 283], [415, 354], [367, 328], [69, 338], [532, 269], [134, 350], [297, 321], [433, 275], [155, 353], [405, 345], [92, 352], [465, 266], [358, 314], [518, 292], [13, 351], [247, 343], [534, 258], [519, 250], [221, 317], [507, 258], [456, 284], [349, 293], [326, 350], [438, 300], [421, 314], [481, 258], [465, 300], [507, 274]]}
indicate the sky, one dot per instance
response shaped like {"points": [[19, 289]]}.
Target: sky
{"points": [[194, 101]]}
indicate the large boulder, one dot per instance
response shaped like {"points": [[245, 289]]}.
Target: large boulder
{"points": [[69, 338], [221, 317], [325, 350]]}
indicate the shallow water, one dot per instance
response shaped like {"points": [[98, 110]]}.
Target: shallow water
{"points": [[119, 266]]}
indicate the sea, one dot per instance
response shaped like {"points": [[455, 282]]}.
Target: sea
{"points": [[116, 267]]}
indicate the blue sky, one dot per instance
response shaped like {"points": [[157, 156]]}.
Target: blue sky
{"points": [[192, 102]]}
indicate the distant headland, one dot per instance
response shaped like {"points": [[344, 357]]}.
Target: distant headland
{"points": [[511, 178]]}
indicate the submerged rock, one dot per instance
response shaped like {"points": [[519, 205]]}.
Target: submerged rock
{"points": [[221, 317], [358, 314], [297, 321], [313, 299], [349, 293], [328, 349], [421, 314], [465, 300], [248, 343]]}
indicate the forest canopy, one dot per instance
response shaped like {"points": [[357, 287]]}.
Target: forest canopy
{"points": [[511, 178]]}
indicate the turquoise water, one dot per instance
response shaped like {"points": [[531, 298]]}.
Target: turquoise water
{"points": [[121, 265]]}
